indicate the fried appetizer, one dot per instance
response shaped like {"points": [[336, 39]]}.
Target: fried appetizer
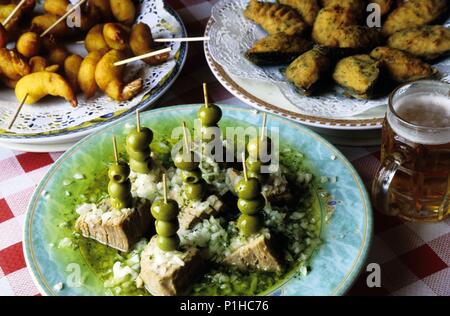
{"points": [[123, 11], [413, 13], [72, 66], [278, 48], [306, 71], [86, 73], [307, 9], [385, 5], [429, 41], [94, 39], [40, 84], [104, 8], [358, 74], [401, 66], [141, 42], [39, 63], [29, 44], [12, 64], [356, 6], [56, 7], [42, 22], [116, 35], [275, 18], [6, 9]]}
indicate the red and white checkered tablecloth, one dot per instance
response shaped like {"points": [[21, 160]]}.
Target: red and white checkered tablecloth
{"points": [[414, 258]]}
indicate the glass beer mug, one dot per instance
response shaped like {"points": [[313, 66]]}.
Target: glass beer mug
{"points": [[413, 181]]}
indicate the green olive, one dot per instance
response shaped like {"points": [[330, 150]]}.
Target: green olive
{"points": [[139, 155], [119, 191], [140, 140], [168, 243], [249, 189], [188, 162], [166, 229], [141, 166], [191, 176], [119, 172], [253, 165], [194, 191], [249, 224], [257, 148], [120, 204], [210, 115], [251, 207], [209, 133], [164, 211]]}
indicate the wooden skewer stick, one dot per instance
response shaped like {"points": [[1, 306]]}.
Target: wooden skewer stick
{"points": [[116, 156], [244, 166], [263, 126], [138, 121], [63, 17], [11, 123], [156, 52], [186, 139], [13, 12], [181, 39], [205, 94], [164, 188]]}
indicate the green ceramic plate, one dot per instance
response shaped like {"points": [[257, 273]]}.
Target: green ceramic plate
{"points": [[335, 265]]}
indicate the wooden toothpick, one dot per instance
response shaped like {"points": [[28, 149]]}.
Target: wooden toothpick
{"points": [[185, 136], [181, 39], [263, 126], [63, 17], [205, 94], [135, 58], [116, 156], [16, 114], [165, 188], [138, 121], [244, 166], [13, 12]]}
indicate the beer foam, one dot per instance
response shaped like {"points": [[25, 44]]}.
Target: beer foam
{"points": [[427, 111]]}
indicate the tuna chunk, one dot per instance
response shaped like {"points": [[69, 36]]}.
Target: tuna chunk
{"points": [[118, 229], [169, 273], [257, 254], [198, 211]]}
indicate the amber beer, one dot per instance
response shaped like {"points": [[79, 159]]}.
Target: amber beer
{"points": [[413, 181]]}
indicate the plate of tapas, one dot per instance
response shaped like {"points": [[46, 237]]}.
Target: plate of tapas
{"points": [[68, 69], [326, 63], [199, 199]]}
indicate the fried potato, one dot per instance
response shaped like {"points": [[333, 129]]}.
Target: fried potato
{"points": [[29, 44], [12, 64], [116, 35], [71, 69], [56, 7], [109, 77], [429, 41], [141, 42], [278, 48], [86, 73], [307, 9], [385, 5], [104, 7], [401, 66], [94, 39], [413, 13], [123, 11], [275, 18], [307, 70], [358, 74], [39, 63], [40, 84], [42, 22]]}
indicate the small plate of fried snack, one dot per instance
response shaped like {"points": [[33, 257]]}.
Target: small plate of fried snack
{"points": [[67, 77], [331, 59]]}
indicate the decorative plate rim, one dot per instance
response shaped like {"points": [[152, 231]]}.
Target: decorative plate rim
{"points": [[246, 97], [67, 135], [345, 283]]}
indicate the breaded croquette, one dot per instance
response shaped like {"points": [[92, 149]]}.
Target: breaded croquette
{"points": [[308, 9]]}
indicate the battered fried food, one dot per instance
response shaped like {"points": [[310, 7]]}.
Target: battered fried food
{"points": [[429, 41], [6, 9], [356, 6], [401, 66], [414, 13], [275, 18], [141, 42], [56, 53], [358, 74], [40, 84], [56, 7], [42, 22], [123, 11], [278, 48], [94, 39], [307, 70], [116, 35], [104, 7], [109, 77], [71, 69], [307, 9], [29, 44], [12, 64], [86, 73], [39, 63]]}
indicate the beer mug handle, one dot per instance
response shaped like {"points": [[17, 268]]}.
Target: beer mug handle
{"points": [[382, 182]]}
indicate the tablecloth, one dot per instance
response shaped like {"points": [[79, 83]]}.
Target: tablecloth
{"points": [[414, 258]]}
